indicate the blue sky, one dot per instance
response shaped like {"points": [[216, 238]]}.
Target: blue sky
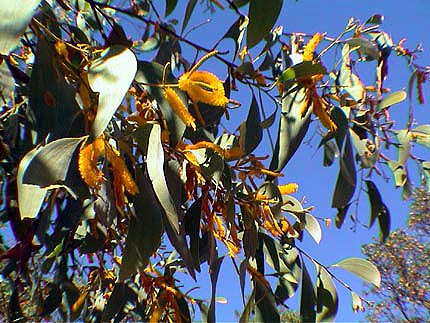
{"points": [[407, 19]]}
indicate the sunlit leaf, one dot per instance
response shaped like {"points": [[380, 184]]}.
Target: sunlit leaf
{"points": [[365, 47], [313, 227], [392, 98], [261, 19], [110, 75], [303, 70], [366, 149], [357, 303], [361, 268], [421, 135], [327, 300], [14, 18]]}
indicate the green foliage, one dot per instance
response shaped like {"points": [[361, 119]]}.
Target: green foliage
{"points": [[403, 261], [112, 195]]}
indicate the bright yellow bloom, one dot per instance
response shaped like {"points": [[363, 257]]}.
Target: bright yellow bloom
{"points": [[308, 52], [203, 86], [87, 162], [179, 107], [289, 188]]}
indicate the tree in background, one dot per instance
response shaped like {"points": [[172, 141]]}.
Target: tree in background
{"points": [[116, 181], [404, 263]]}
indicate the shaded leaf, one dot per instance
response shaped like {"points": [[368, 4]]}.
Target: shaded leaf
{"points": [[330, 152], [307, 298], [262, 18], [170, 6], [361, 268], [378, 210], [268, 122], [375, 20], [111, 82], [236, 32], [365, 47], [144, 231], [366, 149], [192, 229], [292, 129], [327, 300], [340, 215], [214, 272], [152, 73], [265, 309], [7, 85], [247, 310], [346, 180], [188, 11], [252, 131], [392, 98], [14, 18]]}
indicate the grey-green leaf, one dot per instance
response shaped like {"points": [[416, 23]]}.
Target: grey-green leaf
{"points": [[110, 75], [393, 98], [361, 268], [253, 132], [262, 17], [327, 300], [14, 18], [188, 11]]}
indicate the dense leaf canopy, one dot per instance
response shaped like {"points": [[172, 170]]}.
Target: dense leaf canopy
{"points": [[118, 179]]}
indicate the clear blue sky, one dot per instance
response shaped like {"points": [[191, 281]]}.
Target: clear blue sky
{"points": [[407, 19]]}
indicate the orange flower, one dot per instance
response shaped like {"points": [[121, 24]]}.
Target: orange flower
{"points": [[88, 156], [179, 107], [308, 51]]}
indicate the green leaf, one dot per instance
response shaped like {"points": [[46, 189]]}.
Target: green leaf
{"points": [[236, 32], [365, 47], [375, 20], [214, 272], [348, 82], [366, 149], [361, 268], [313, 227], [392, 98], [421, 135], [188, 11], [266, 309], [245, 317], [347, 177], [30, 197], [327, 300], [170, 6], [307, 298], [144, 231], [330, 153], [399, 172], [378, 211], [403, 137], [292, 129], [303, 70], [110, 75], [251, 132], [340, 215], [262, 18], [54, 110], [192, 229], [268, 122], [14, 18], [150, 74]]}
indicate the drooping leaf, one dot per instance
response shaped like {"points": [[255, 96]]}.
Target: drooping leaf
{"points": [[170, 6], [245, 317], [348, 82], [268, 122], [236, 32], [192, 229], [251, 131], [313, 227], [330, 153], [52, 101], [144, 231], [288, 282], [30, 197], [188, 11], [366, 149], [361, 268], [265, 309], [155, 166], [340, 215], [327, 300], [150, 74], [392, 98], [110, 75], [307, 298], [421, 135], [14, 18], [347, 177], [262, 18], [403, 138], [292, 129], [378, 210], [365, 47], [214, 272]]}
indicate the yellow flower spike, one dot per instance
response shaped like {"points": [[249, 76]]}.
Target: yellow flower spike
{"points": [[322, 111], [206, 144], [289, 188], [203, 86], [87, 162], [179, 107], [308, 51]]}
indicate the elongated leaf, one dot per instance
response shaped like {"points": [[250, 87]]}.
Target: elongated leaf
{"points": [[340, 215], [292, 129], [110, 75], [155, 166], [245, 317], [393, 98], [308, 298], [214, 272], [378, 210], [236, 32], [53, 106], [192, 229], [144, 231], [30, 197], [170, 6], [346, 180], [262, 18], [313, 227], [303, 70], [188, 11], [152, 73], [362, 268], [327, 300], [14, 18], [365, 47], [252, 131], [265, 309]]}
